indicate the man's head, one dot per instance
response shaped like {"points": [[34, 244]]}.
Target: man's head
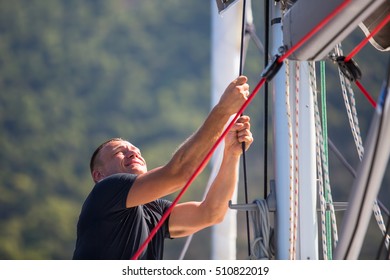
{"points": [[116, 156]]}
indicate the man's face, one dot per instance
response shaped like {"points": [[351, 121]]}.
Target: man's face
{"points": [[121, 157]]}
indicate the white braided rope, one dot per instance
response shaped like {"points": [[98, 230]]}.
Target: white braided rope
{"points": [[351, 95], [313, 86], [352, 118], [329, 196], [355, 128], [376, 210], [296, 150], [292, 240], [327, 190]]}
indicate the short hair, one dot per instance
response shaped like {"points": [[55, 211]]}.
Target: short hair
{"points": [[93, 160]]}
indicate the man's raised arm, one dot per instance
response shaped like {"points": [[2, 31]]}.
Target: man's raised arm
{"points": [[171, 177]]}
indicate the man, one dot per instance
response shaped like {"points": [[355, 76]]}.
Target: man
{"points": [[125, 204]]}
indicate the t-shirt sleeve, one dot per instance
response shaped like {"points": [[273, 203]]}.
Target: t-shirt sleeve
{"points": [[110, 194], [164, 205]]}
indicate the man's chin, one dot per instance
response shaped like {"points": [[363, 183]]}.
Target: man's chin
{"points": [[137, 171]]}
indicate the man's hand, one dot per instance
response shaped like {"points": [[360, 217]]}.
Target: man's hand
{"points": [[238, 134], [189, 217], [234, 95]]}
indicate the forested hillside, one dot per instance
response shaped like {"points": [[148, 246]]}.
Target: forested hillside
{"points": [[74, 73]]}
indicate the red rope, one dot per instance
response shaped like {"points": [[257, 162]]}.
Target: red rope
{"points": [[314, 30], [243, 107], [365, 41], [358, 48], [366, 94], [199, 169]]}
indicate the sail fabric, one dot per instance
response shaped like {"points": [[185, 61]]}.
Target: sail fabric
{"points": [[381, 40]]}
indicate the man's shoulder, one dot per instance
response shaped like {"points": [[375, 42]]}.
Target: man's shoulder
{"points": [[114, 183], [115, 179]]}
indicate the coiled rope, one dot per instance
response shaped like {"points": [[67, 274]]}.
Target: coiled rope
{"points": [[261, 249]]}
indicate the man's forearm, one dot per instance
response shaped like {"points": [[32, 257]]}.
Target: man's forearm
{"points": [[222, 189], [191, 153]]}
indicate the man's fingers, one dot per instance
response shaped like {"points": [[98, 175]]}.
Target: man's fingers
{"points": [[241, 80], [244, 135], [243, 119], [241, 125]]}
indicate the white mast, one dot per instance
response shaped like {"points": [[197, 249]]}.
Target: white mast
{"points": [[225, 63], [281, 143], [308, 229], [285, 141]]}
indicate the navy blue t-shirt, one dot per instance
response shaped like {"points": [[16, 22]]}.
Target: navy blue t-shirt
{"points": [[108, 230]]}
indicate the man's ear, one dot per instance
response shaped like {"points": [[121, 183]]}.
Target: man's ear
{"points": [[97, 175]]}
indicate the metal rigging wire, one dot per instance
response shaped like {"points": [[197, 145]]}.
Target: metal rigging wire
{"points": [[241, 66]]}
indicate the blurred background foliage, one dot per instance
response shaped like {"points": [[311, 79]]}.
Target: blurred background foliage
{"points": [[74, 73]]}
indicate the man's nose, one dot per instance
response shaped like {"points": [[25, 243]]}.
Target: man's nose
{"points": [[129, 153]]}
